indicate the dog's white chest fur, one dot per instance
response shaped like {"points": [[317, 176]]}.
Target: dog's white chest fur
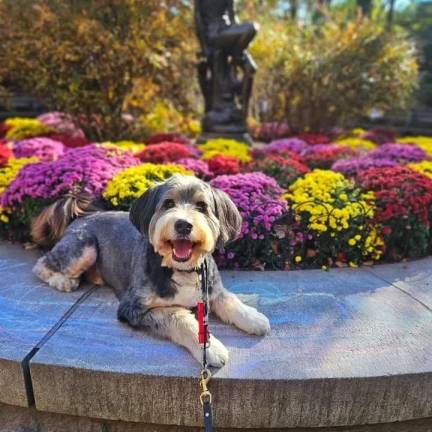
{"points": [[188, 290]]}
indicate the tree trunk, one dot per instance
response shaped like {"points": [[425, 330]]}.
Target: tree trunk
{"points": [[365, 7], [294, 8], [390, 14]]}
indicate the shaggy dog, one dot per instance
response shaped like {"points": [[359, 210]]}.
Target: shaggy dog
{"points": [[152, 262]]}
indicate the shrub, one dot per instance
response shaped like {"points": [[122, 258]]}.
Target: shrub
{"points": [[334, 72], [404, 199], [258, 199], [338, 216], [97, 60], [131, 183]]}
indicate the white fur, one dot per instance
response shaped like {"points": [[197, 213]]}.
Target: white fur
{"points": [[228, 307], [180, 326]]}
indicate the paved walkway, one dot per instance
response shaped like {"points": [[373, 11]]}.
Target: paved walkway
{"points": [[348, 347]]}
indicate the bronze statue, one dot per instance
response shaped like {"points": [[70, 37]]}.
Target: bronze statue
{"points": [[226, 69]]}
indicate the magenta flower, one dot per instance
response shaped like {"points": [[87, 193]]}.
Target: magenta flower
{"points": [[402, 153], [352, 167], [257, 197], [62, 123], [86, 169], [45, 149], [295, 145], [199, 167]]}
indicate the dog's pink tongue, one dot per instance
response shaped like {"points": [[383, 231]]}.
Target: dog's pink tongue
{"points": [[182, 248]]}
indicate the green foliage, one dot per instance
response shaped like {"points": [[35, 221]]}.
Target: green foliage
{"points": [[18, 227], [87, 58], [319, 76]]}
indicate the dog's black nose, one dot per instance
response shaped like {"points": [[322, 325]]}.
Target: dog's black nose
{"points": [[183, 227]]}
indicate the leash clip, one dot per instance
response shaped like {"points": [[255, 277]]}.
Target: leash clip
{"points": [[205, 395]]}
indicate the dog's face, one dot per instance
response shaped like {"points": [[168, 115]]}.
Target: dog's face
{"points": [[185, 219]]}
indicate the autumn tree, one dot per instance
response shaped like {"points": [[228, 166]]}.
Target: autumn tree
{"points": [[87, 58]]}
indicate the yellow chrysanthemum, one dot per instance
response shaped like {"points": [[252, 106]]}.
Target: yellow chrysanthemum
{"points": [[424, 167], [357, 132], [331, 205], [133, 182], [425, 142], [9, 172], [4, 215], [226, 147], [357, 143], [21, 127], [130, 146]]}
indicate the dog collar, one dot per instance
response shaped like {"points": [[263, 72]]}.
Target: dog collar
{"points": [[198, 270], [194, 270]]}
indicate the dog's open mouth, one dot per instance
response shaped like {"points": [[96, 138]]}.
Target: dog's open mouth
{"points": [[182, 250]]}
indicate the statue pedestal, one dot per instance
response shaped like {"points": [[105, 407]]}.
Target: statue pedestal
{"points": [[242, 137]]}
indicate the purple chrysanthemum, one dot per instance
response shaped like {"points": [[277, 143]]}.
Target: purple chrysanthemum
{"points": [[199, 167], [295, 145], [352, 167], [257, 198], [45, 149], [402, 153], [86, 169], [61, 123]]}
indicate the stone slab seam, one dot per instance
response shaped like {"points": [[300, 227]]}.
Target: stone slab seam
{"points": [[400, 289], [25, 364]]}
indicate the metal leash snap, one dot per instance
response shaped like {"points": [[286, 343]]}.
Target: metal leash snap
{"points": [[205, 394]]}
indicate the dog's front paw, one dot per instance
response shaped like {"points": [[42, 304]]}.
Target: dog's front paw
{"points": [[63, 283], [217, 354], [256, 323]]}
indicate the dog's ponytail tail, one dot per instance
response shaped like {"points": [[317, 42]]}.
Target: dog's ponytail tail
{"points": [[49, 226]]}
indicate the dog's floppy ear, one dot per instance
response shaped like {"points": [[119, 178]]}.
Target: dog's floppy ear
{"points": [[144, 207], [229, 217]]}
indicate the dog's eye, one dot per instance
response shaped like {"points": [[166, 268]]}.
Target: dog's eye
{"points": [[168, 203], [201, 206]]}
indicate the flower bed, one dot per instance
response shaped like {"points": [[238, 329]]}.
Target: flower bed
{"points": [[310, 201]]}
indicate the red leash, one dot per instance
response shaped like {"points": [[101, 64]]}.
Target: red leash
{"points": [[203, 310]]}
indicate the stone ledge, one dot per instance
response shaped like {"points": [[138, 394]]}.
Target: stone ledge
{"points": [[15, 419], [348, 347]]}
